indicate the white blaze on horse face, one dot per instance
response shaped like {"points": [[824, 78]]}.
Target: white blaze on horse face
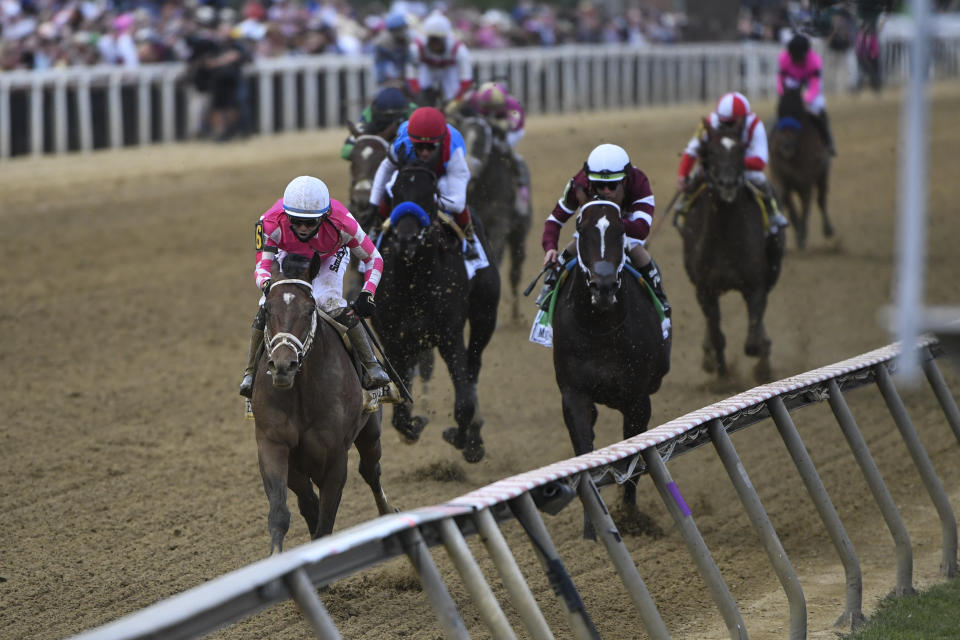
{"points": [[602, 225], [364, 185], [288, 298], [366, 153], [728, 143]]}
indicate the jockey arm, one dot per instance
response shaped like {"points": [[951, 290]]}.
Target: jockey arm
{"points": [[266, 252], [690, 155], [564, 209], [638, 205], [358, 242], [464, 70], [814, 69], [756, 155], [412, 70], [380, 180], [453, 183]]}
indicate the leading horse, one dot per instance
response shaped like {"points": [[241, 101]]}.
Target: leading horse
{"points": [[426, 298], [725, 247], [608, 343], [308, 409], [492, 195], [799, 163]]}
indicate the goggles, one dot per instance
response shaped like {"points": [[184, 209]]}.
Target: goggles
{"points": [[425, 146], [605, 185], [304, 223]]}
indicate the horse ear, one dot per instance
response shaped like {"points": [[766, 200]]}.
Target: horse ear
{"points": [[354, 131], [391, 131]]}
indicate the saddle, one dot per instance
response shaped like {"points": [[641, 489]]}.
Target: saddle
{"points": [[683, 207]]}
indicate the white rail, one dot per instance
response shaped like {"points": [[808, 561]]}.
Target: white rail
{"points": [[289, 575], [86, 108]]}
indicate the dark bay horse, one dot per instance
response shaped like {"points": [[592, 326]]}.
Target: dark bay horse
{"points": [[799, 163], [725, 247], [608, 344], [491, 196], [308, 410], [425, 300], [368, 152]]}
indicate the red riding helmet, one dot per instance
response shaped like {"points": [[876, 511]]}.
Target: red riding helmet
{"points": [[427, 125], [732, 107]]}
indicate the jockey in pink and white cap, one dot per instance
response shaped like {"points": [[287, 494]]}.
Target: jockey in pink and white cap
{"points": [[306, 221], [801, 67], [733, 113]]}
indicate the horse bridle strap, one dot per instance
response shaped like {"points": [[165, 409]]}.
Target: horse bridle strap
{"points": [[285, 339]]}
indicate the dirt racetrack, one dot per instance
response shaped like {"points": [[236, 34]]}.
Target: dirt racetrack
{"points": [[129, 473]]}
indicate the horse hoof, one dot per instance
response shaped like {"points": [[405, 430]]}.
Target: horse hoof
{"points": [[411, 431], [473, 452], [452, 435]]}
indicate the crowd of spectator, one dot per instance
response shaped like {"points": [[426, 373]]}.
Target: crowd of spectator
{"points": [[43, 34]]}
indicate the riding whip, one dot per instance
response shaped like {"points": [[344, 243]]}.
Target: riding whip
{"points": [[386, 361], [530, 287]]}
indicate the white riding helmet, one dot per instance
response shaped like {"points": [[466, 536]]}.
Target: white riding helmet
{"points": [[436, 25], [607, 163], [306, 197]]}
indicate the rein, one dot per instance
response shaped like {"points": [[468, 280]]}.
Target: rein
{"points": [[285, 339], [370, 136]]}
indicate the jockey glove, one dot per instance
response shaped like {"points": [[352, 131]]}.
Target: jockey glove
{"points": [[363, 306]]}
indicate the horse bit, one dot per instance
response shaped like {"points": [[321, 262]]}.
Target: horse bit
{"points": [[285, 339]]}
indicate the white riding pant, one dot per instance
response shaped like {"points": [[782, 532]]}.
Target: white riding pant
{"points": [[328, 283]]}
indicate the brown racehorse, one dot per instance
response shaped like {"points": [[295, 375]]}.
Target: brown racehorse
{"points": [[308, 408], [799, 163], [368, 152], [725, 247]]}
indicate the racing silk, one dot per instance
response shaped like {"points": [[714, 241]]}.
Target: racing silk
{"points": [[753, 137], [450, 72], [338, 229], [451, 169], [636, 209], [390, 59], [516, 118], [807, 75]]}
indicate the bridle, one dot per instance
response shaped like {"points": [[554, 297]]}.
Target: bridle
{"points": [[285, 339], [601, 227]]}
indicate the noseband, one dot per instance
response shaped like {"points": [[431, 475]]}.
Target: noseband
{"points": [[285, 339]]}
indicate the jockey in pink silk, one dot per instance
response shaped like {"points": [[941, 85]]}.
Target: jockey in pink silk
{"points": [[608, 175], [732, 113], [801, 67], [506, 117], [308, 222]]}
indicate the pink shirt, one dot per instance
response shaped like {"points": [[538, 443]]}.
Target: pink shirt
{"points": [[804, 75], [338, 229]]}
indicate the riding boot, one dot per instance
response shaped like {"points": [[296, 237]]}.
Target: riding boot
{"points": [[823, 124], [651, 274], [373, 374], [469, 246], [249, 374], [776, 217]]}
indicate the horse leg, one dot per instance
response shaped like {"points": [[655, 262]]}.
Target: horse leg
{"points": [[410, 427], [714, 341], [274, 459], [482, 315], [580, 416], [307, 500], [822, 188], [466, 435], [330, 479], [801, 227], [635, 421], [758, 343], [518, 254], [369, 448]]}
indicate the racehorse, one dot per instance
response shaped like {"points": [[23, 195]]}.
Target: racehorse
{"points": [[799, 161], [308, 409], [726, 247], [608, 343], [491, 196], [368, 152], [425, 299]]}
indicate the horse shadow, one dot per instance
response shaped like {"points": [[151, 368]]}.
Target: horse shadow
{"points": [[799, 165], [425, 300]]}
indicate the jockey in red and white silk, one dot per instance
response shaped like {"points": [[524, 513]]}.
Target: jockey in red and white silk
{"points": [[338, 233], [733, 109], [439, 61]]}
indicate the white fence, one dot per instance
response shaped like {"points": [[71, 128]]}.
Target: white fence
{"points": [[296, 573], [81, 109]]}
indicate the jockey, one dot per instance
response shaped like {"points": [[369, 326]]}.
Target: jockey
{"points": [[607, 174], [733, 114], [802, 67], [428, 139], [439, 64], [308, 222], [391, 52], [389, 108], [505, 116]]}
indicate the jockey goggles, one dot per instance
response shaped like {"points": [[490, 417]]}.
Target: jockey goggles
{"points": [[425, 146], [605, 185], [306, 223]]}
